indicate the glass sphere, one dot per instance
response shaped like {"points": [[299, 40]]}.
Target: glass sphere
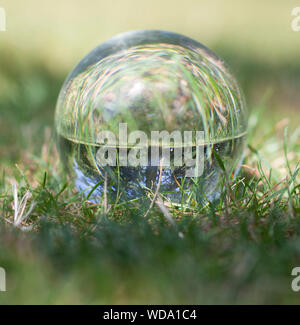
{"points": [[123, 109]]}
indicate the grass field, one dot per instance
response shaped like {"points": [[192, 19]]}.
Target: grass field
{"points": [[240, 249]]}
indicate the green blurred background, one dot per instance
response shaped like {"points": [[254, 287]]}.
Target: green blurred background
{"points": [[43, 41]]}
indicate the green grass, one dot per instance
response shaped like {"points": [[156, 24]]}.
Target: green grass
{"points": [[240, 249]]}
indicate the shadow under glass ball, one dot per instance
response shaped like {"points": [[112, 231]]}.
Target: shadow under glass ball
{"points": [[152, 81]]}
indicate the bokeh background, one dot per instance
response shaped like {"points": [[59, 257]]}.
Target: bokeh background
{"points": [[43, 42]]}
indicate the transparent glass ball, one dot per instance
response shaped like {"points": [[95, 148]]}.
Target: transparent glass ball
{"points": [[145, 83]]}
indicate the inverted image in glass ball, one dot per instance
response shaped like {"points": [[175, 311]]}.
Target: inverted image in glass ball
{"points": [[150, 81]]}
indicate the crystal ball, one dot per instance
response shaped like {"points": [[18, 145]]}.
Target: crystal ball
{"points": [[147, 114]]}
